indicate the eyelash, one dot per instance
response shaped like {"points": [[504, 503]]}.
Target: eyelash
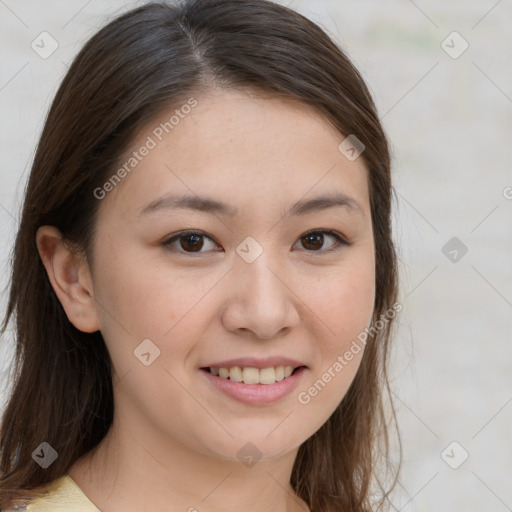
{"points": [[340, 241]]}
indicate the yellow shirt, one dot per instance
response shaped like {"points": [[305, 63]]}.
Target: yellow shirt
{"points": [[64, 495]]}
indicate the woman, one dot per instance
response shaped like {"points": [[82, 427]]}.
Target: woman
{"points": [[204, 278]]}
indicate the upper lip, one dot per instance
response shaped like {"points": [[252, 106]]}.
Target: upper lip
{"points": [[254, 362]]}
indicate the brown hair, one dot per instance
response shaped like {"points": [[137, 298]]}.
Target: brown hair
{"points": [[147, 60]]}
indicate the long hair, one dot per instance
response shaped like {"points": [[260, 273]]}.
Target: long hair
{"points": [[145, 61]]}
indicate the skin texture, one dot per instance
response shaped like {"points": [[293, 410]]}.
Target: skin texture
{"points": [[174, 441]]}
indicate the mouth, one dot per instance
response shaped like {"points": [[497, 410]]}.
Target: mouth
{"points": [[253, 376]]}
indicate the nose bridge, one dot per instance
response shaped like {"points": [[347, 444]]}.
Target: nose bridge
{"points": [[261, 284], [262, 302]]}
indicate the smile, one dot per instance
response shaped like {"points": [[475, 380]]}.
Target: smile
{"points": [[254, 386], [250, 375]]}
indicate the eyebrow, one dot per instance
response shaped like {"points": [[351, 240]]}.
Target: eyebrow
{"points": [[212, 206]]}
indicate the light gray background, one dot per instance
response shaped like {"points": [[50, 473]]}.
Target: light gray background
{"points": [[450, 123]]}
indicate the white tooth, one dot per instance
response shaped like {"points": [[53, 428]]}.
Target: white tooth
{"points": [[288, 370], [251, 375], [235, 374], [267, 376], [279, 373]]}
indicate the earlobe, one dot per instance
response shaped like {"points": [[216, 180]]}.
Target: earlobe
{"points": [[70, 278]]}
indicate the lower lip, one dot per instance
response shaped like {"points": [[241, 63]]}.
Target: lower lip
{"points": [[254, 394]]}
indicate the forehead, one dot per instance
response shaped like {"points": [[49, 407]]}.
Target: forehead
{"points": [[241, 148]]}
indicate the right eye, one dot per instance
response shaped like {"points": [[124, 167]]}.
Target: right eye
{"points": [[189, 241]]}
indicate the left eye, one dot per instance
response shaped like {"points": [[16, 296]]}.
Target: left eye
{"points": [[191, 241], [317, 237]]}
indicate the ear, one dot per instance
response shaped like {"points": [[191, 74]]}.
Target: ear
{"points": [[70, 277]]}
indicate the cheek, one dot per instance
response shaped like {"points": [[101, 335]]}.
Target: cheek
{"points": [[128, 300], [343, 304], [346, 309], [343, 301], [139, 300], [135, 294]]}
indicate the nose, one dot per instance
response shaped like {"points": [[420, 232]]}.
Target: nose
{"points": [[260, 303]]}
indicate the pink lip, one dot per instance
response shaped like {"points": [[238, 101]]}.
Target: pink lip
{"points": [[253, 362], [255, 394]]}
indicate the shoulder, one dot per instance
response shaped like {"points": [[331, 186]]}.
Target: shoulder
{"points": [[63, 494]]}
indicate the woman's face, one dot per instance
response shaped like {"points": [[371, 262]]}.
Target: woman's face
{"points": [[247, 283]]}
